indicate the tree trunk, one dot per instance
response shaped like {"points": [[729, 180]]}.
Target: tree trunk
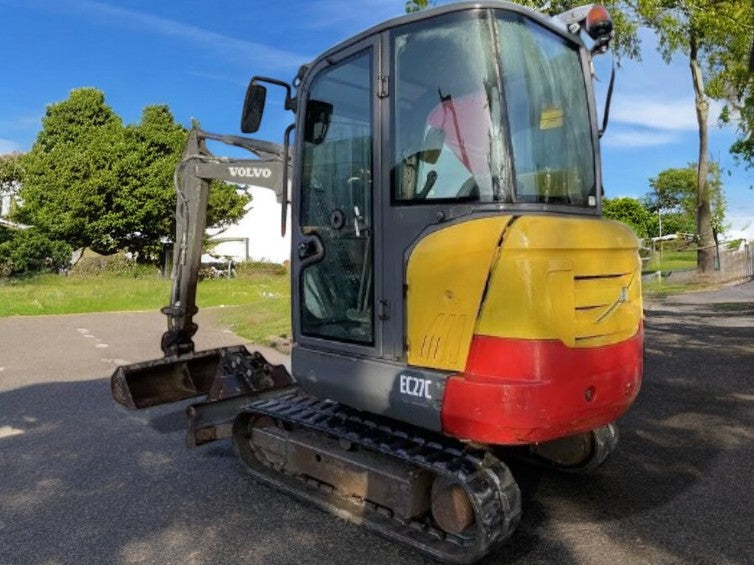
{"points": [[705, 256]]}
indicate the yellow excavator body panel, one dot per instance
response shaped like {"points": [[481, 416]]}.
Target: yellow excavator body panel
{"points": [[446, 275], [537, 277], [577, 280]]}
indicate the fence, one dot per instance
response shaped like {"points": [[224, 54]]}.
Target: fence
{"points": [[731, 265]]}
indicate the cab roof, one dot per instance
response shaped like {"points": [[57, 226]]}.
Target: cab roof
{"points": [[430, 13]]}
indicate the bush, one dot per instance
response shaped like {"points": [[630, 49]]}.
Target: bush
{"points": [[92, 264], [6, 234], [251, 268], [735, 244], [27, 252]]}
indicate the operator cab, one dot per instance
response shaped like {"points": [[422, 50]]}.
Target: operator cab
{"points": [[433, 119]]}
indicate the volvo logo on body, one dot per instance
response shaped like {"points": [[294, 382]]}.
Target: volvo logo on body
{"points": [[250, 172]]}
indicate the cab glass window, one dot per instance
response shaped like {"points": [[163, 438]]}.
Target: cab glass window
{"points": [[337, 284], [447, 127], [548, 114]]}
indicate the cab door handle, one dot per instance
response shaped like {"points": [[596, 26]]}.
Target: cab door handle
{"points": [[310, 250]]}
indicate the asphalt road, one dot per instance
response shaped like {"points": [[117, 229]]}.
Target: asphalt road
{"points": [[85, 481]]}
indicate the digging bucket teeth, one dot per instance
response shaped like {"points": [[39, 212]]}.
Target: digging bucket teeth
{"points": [[169, 379]]}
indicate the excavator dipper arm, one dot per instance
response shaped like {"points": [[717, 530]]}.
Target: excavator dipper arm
{"points": [[192, 175], [183, 373]]}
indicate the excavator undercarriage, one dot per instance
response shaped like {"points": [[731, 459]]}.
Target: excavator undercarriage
{"points": [[451, 500]]}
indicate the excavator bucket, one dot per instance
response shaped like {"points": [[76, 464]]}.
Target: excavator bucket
{"points": [[228, 378], [169, 379]]}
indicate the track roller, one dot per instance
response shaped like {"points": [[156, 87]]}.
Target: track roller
{"points": [[581, 453]]}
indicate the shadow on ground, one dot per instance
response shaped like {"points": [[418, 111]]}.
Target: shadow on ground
{"points": [[85, 481]]}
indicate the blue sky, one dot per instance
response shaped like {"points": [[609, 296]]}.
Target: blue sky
{"points": [[197, 57]]}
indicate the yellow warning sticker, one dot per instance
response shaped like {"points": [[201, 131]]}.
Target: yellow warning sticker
{"points": [[551, 117]]}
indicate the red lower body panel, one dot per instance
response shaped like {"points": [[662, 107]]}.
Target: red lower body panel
{"points": [[519, 391]]}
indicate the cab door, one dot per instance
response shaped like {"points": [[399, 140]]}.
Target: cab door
{"points": [[336, 214]]}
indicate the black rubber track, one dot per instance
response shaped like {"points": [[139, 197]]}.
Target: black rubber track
{"points": [[493, 493]]}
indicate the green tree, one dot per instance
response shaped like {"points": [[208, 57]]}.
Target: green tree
{"points": [[69, 174], [90, 181], [701, 31], [10, 178], [418, 5], [674, 195], [672, 189], [733, 81], [10, 173], [743, 147], [629, 211], [666, 223], [143, 212]]}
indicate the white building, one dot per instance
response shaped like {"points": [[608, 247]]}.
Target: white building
{"points": [[256, 237]]}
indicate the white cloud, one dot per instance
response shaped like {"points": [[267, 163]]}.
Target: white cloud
{"points": [[227, 47], [668, 115], [638, 138], [741, 231], [8, 146], [220, 77], [643, 121], [20, 123]]}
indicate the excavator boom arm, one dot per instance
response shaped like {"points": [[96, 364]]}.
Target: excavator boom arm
{"points": [[192, 180]]}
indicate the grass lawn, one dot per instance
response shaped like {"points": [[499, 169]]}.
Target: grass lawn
{"points": [[655, 289], [258, 303], [671, 260], [259, 323]]}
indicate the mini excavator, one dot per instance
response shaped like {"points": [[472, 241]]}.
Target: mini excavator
{"points": [[455, 290]]}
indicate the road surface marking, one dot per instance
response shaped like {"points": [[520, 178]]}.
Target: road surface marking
{"points": [[9, 431]]}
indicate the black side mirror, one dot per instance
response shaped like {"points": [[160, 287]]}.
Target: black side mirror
{"points": [[432, 146], [317, 121], [253, 107]]}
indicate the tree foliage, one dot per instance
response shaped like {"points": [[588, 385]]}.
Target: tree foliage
{"points": [[70, 173], [674, 196], [10, 173], [418, 5], [10, 180], [629, 211], [701, 30], [733, 80], [743, 147], [24, 252], [91, 181]]}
